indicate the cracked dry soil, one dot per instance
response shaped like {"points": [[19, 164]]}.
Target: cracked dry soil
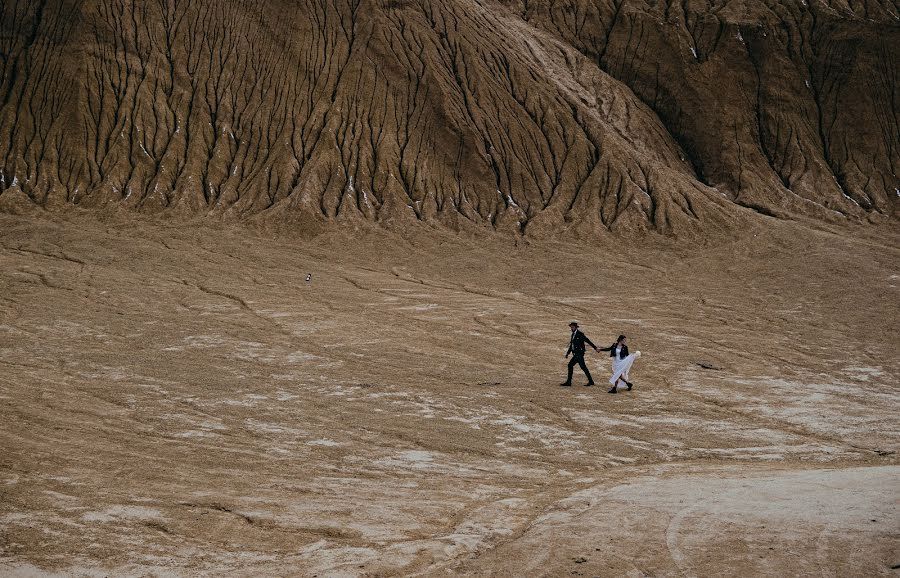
{"points": [[179, 401]]}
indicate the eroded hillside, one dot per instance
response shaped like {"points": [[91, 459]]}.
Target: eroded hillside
{"points": [[529, 116]]}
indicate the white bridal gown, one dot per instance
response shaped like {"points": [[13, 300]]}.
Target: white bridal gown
{"points": [[620, 367]]}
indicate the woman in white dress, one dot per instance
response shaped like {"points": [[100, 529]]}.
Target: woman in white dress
{"points": [[621, 362]]}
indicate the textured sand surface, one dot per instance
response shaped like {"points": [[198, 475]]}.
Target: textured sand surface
{"points": [[178, 400]]}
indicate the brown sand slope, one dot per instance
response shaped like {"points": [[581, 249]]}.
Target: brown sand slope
{"points": [[178, 400], [538, 116]]}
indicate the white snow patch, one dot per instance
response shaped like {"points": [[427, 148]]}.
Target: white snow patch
{"points": [[425, 307], [58, 496], [471, 422], [862, 373], [249, 400], [417, 456], [114, 513], [263, 427], [323, 442], [300, 357], [194, 433], [846, 196]]}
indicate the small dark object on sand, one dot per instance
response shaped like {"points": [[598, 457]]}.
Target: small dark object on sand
{"points": [[707, 365]]}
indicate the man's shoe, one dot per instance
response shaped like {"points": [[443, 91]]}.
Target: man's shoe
{"points": [[565, 385], [613, 390]]}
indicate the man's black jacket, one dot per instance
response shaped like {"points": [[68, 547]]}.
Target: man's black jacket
{"points": [[576, 343]]}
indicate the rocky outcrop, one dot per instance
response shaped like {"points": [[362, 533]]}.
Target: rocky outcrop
{"points": [[533, 117], [786, 107]]}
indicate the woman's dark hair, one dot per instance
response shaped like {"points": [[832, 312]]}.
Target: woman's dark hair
{"points": [[619, 340]]}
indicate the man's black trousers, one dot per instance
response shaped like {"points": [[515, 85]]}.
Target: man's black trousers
{"points": [[579, 359]]}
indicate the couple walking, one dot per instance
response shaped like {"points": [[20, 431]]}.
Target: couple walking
{"points": [[621, 360]]}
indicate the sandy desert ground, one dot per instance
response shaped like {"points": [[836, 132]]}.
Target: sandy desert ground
{"points": [[177, 400]]}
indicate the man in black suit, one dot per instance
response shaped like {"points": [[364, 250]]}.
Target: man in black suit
{"points": [[577, 348]]}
